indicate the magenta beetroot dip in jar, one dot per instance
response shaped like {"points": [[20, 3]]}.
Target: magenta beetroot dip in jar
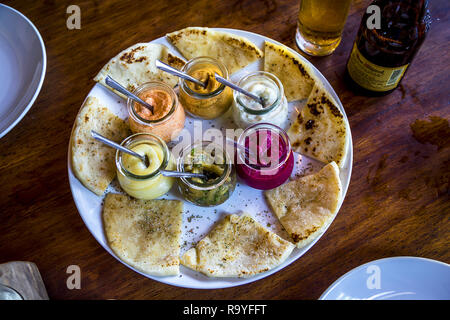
{"points": [[265, 159]]}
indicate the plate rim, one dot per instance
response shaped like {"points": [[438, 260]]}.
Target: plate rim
{"points": [[303, 249], [42, 75], [345, 276]]}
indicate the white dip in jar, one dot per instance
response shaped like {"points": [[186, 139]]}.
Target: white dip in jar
{"points": [[247, 111]]}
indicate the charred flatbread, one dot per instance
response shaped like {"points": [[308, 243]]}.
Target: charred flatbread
{"points": [[144, 233], [135, 66], [297, 77], [320, 130], [92, 161], [306, 206], [238, 246], [234, 51]]}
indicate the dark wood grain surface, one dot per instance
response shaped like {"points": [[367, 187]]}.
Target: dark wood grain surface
{"points": [[398, 202]]}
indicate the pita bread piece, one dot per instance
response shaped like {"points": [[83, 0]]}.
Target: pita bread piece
{"points": [[306, 206], [297, 77], [144, 233], [93, 162], [135, 66], [234, 51], [238, 246], [320, 130]]}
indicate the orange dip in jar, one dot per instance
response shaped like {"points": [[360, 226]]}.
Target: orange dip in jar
{"points": [[168, 116]]}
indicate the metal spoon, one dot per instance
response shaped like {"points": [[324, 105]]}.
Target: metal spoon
{"points": [[115, 85], [144, 158], [117, 146], [178, 174], [239, 89], [165, 67], [240, 147]]}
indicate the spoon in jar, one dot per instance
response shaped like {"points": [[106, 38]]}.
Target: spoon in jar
{"points": [[144, 158], [249, 154], [165, 67], [239, 89], [117, 86]]}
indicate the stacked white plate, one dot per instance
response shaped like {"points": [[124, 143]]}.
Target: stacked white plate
{"points": [[22, 66], [396, 278]]}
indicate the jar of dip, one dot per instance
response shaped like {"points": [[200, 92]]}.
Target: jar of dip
{"points": [[135, 178], [212, 101], [214, 162], [247, 111], [265, 159], [168, 116]]}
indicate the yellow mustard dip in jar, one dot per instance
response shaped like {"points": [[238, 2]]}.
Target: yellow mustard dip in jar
{"points": [[135, 177]]}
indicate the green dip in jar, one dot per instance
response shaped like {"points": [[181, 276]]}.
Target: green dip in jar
{"points": [[211, 160]]}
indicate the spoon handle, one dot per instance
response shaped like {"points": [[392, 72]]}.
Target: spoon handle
{"points": [[242, 148], [165, 67], [117, 86], [238, 89], [117, 146], [178, 174]]}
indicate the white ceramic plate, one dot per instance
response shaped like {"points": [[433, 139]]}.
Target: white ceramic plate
{"points": [[22, 66], [397, 278], [198, 221]]}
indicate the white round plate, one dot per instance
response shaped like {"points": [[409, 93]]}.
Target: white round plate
{"points": [[396, 278], [198, 221], [22, 66]]}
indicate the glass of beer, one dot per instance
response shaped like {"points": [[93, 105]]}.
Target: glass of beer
{"points": [[320, 25]]}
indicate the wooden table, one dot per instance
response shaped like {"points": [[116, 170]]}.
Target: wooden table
{"points": [[397, 204]]}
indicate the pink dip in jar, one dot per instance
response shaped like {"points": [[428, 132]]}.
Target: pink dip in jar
{"points": [[266, 161]]}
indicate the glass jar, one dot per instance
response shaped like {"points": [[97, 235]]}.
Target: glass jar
{"points": [[247, 111], [265, 159], [213, 161], [134, 177], [168, 116], [212, 101]]}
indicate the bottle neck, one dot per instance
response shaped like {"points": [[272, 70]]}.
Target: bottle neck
{"points": [[402, 26]]}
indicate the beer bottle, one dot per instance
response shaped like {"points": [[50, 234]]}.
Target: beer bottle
{"points": [[388, 38]]}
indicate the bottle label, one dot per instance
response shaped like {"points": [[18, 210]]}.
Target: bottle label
{"points": [[371, 76]]}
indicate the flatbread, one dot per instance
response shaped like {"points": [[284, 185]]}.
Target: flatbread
{"points": [[320, 130], [144, 233], [238, 246], [234, 51], [306, 206], [297, 77], [135, 66], [93, 162]]}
